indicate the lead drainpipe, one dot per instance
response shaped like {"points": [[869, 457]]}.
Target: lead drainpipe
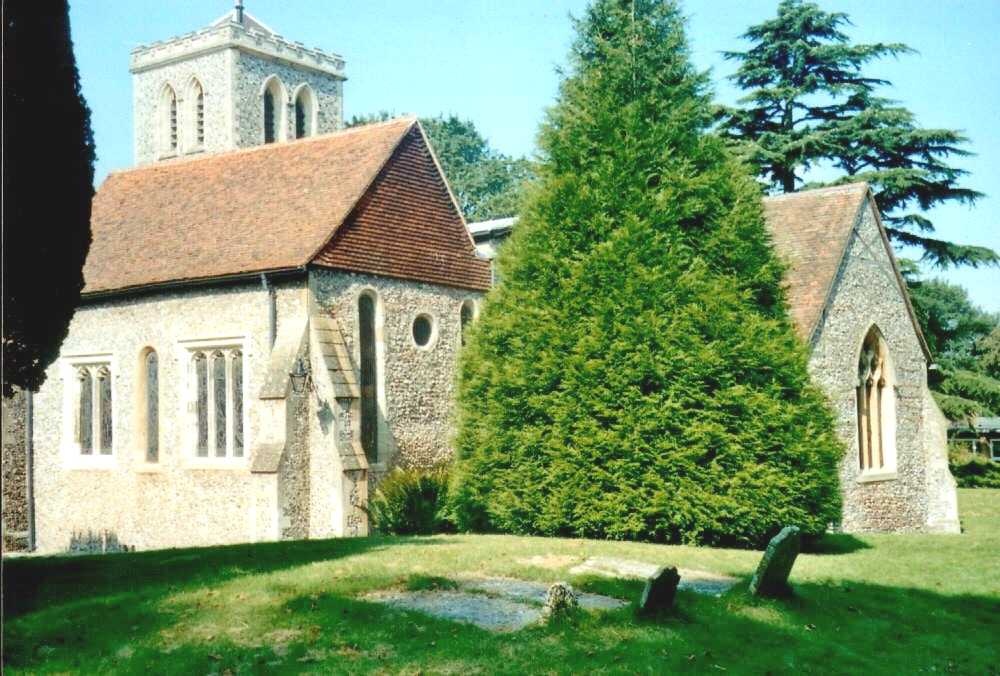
{"points": [[272, 310], [29, 465]]}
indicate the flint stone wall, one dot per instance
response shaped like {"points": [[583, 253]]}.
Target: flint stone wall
{"points": [[866, 293], [15, 495], [174, 502], [418, 383]]}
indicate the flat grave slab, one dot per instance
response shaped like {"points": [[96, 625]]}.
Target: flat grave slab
{"points": [[698, 581], [493, 603]]}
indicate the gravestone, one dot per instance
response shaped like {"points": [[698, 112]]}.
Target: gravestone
{"points": [[660, 590], [771, 578], [560, 600]]}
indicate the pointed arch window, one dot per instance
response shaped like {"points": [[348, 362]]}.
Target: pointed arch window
{"points": [[368, 376], [305, 112], [270, 129], [150, 368], [466, 316], [876, 406], [169, 133], [198, 98]]}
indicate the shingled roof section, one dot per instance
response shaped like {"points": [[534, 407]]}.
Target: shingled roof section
{"points": [[810, 231], [262, 209]]}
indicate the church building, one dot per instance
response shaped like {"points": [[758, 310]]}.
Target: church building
{"points": [[274, 306], [272, 311]]}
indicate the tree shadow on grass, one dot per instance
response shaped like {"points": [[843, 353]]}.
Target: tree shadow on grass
{"points": [[833, 543], [30, 583]]}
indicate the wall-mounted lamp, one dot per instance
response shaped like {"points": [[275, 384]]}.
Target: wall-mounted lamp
{"points": [[301, 377]]}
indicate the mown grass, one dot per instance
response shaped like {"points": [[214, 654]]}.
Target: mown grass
{"points": [[873, 604]]}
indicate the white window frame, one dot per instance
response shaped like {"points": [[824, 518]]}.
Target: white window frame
{"points": [[72, 456], [187, 350]]}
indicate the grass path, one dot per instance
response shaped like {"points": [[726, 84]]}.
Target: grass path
{"points": [[875, 604]]}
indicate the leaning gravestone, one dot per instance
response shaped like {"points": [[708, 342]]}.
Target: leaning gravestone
{"points": [[560, 600], [660, 590], [771, 578]]}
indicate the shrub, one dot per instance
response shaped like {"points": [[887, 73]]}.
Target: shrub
{"points": [[972, 470], [635, 375], [409, 502]]}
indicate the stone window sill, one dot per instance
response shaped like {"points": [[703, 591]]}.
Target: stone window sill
{"points": [[104, 464], [144, 467], [872, 477], [217, 464]]}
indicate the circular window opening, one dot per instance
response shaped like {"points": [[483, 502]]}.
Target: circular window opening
{"points": [[423, 330]]}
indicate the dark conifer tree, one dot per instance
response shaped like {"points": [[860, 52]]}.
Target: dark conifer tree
{"points": [[48, 185], [809, 103], [635, 375]]}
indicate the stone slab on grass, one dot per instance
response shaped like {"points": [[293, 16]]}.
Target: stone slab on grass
{"points": [[698, 581], [487, 612], [659, 592], [534, 592], [492, 603]]}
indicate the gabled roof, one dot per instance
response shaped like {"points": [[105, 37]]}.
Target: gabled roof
{"points": [[811, 230], [263, 209]]}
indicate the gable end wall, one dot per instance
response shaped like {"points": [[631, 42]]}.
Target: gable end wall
{"points": [[865, 293]]}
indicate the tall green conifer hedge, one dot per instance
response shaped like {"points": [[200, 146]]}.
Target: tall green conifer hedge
{"points": [[635, 374]]}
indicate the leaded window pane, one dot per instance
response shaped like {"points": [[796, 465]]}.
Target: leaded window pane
{"points": [[269, 130], [201, 403], [200, 116], [219, 392], [300, 119], [238, 404], [173, 122], [152, 408], [369, 377], [85, 418], [466, 319], [104, 388]]}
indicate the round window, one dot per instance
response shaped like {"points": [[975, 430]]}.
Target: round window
{"points": [[423, 330]]}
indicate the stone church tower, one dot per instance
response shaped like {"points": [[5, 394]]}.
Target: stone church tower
{"points": [[233, 84]]}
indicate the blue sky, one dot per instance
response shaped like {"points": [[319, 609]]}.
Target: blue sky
{"points": [[494, 62]]}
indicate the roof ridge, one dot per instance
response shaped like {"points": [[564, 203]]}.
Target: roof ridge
{"points": [[201, 157], [843, 187]]}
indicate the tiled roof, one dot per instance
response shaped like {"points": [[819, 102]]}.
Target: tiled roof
{"points": [[262, 209], [810, 230]]}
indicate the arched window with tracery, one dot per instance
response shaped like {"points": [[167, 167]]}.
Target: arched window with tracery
{"points": [[876, 405], [94, 417], [368, 376]]}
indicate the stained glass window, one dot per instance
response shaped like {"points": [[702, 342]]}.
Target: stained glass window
{"points": [[200, 116]]}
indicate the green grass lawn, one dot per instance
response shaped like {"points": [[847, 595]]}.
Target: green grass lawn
{"points": [[882, 603]]}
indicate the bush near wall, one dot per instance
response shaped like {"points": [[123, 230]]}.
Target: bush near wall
{"points": [[973, 470], [409, 501]]}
